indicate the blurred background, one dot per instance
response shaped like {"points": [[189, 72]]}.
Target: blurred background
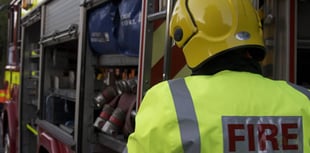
{"points": [[3, 35]]}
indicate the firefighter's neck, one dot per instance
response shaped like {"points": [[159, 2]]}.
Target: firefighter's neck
{"points": [[233, 62]]}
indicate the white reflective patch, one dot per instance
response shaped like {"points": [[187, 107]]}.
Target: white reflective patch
{"points": [[243, 35], [282, 134]]}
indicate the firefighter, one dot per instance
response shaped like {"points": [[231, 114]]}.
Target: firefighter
{"points": [[227, 105]]}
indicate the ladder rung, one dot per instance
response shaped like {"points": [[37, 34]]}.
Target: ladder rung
{"points": [[157, 15]]}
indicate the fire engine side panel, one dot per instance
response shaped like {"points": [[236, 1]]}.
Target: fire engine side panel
{"points": [[276, 32], [60, 14], [29, 89], [59, 41]]}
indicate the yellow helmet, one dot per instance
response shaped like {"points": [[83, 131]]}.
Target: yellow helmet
{"points": [[205, 28]]}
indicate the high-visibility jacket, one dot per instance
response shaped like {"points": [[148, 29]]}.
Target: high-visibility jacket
{"points": [[229, 112]]}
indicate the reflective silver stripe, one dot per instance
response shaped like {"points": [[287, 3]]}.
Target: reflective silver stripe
{"points": [[186, 116], [301, 89], [125, 150]]}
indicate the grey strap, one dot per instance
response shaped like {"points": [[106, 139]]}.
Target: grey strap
{"points": [[301, 89], [186, 116]]}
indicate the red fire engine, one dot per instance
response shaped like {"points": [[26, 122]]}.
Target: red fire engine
{"points": [[78, 69]]}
